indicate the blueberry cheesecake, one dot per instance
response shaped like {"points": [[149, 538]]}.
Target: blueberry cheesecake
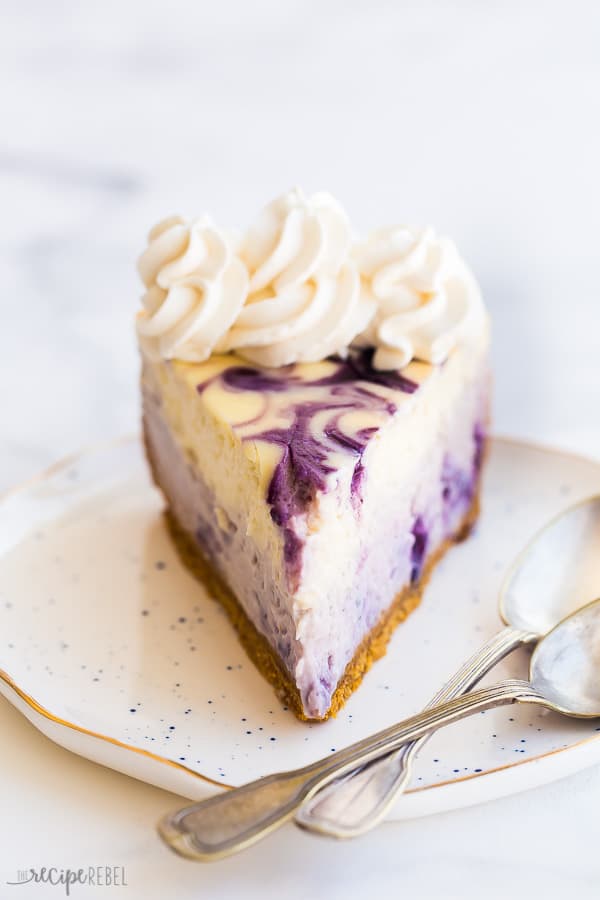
{"points": [[315, 411]]}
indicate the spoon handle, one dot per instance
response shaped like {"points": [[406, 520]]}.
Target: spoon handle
{"points": [[230, 821], [356, 803]]}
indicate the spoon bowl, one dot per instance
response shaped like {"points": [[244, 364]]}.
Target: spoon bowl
{"points": [[565, 666], [557, 572]]}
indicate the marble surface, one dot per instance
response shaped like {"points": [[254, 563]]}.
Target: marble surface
{"points": [[481, 118]]}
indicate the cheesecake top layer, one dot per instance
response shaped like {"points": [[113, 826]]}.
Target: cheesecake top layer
{"points": [[305, 423]]}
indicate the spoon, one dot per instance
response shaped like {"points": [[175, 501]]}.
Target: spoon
{"points": [[563, 678], [557, 572]]}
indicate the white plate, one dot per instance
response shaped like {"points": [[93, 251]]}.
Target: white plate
{"points": [[111, 648]]}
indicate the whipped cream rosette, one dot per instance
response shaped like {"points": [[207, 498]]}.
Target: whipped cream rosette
{"points": [[304, 301], [195, 289], [426, 297]]}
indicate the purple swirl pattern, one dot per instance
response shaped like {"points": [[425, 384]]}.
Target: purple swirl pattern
{"points": [[308, 452]]}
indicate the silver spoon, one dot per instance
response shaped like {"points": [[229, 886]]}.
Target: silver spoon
{"points": [[563, 678], [557, 572]]}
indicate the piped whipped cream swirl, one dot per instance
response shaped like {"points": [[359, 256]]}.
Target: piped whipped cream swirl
{"points": [[304, 301], [425, 295], [295, 288], [195, 289]]}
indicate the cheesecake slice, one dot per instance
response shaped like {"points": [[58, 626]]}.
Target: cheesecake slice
{"points": [[316, 499], [315, 413]]}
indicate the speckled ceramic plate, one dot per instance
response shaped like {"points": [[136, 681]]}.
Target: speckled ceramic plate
{"points": [[111, 648]]}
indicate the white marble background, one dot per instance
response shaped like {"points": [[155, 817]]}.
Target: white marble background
{"points": [[482, 118]]}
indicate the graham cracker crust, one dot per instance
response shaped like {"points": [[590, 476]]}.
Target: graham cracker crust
{"points": [[373, 645]]}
